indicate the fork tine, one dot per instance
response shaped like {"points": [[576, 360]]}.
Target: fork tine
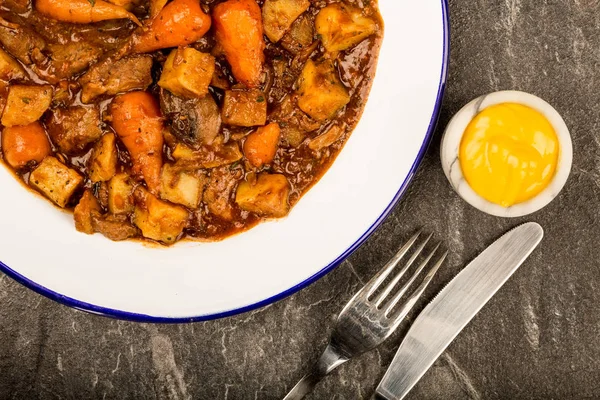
{"points": [[410, 302], [412, 279], [397, 278], [374, 283]]}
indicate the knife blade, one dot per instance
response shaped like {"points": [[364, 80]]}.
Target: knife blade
{"points": [[452, 309]]}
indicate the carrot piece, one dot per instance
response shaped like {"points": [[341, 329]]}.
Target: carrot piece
{"points": [[23, 144], [261, 145], [179, 23], [83, 11], [137, 121], [83, 212], [239, 31]]}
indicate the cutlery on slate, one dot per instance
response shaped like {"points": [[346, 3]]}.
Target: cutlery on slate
{"points": [[452, 309], [372, 315]]}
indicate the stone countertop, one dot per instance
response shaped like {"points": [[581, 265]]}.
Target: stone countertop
{"points": [[536, 339]]}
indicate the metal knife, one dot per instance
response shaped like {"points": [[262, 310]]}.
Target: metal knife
{"points": [[452, 309]]}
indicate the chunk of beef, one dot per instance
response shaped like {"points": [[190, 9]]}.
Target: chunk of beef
{"points": [[72, 58], [283, 79], [195, 121], [110, 77], [72, 129], [24, 44], [114, 227], [294, 123], [218, 192], [244, 108], [101, 192], [215, 155], [16, 6], [327, 138], [300, 35]]}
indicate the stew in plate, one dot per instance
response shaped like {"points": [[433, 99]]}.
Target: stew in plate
{"points": [[167, 119]]}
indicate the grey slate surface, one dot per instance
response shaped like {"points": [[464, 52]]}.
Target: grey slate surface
{"points": [[536, 339]]}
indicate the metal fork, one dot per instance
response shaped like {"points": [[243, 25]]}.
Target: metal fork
{"points": [[367, 320]]}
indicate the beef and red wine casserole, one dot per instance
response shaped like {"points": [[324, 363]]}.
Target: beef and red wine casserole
{"points": [[164, 119]]}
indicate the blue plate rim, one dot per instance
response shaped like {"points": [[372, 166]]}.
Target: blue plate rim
{"points": [[108, 312]]}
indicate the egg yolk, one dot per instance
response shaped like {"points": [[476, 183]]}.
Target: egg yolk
{"points": [[509, 153]]}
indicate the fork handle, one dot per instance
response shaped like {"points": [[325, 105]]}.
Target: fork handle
{"points": [[329, 360]]}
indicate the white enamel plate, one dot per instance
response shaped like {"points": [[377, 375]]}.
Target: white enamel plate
{"points": [[197, 281]]}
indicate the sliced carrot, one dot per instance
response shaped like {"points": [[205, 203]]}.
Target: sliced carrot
{"points": [[137, 121], [239, 31], [83, 11], [83, 212], [260, 146], [179, 23], [23, 144]]}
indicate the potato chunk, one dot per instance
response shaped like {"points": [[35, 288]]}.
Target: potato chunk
{"points": [[321, 93], [341, 26], [83, 212], [187, 72], [127, 4], [55, 180], [268, 196], [120, 192], [26, 104], [103, 161], [156, 6], [10, 68], [244, 108], [158, 220], [180, 186], [278, 16]]}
